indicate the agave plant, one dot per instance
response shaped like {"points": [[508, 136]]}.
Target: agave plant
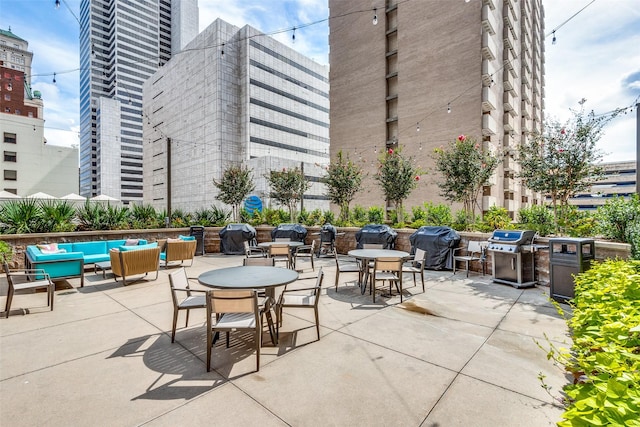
{"points": [[57, 216], [145, 216], [117, 217], [21, 216]]}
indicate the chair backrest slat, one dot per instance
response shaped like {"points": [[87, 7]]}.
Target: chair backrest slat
{"points": [[268, 262], [233, 301]]}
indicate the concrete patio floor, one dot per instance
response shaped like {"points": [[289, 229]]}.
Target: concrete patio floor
{"points": [[463, 353]]}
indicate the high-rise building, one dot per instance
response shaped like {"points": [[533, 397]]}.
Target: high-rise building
{"points": [[234, 96], [122, 43], [417, 74], [29, 164]]}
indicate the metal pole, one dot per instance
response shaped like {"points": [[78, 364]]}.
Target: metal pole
{"points": [[638, 148], [302, 195], [169, 179]]}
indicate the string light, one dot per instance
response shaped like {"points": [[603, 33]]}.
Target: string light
{"points": [[57, 4], [553, 40], [418, 127], [448, 107], [222, 50], [54, 78], [293, 36], [375, 16]]}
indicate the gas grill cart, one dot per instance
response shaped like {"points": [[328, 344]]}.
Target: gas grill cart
{"points": [[513, 257]]}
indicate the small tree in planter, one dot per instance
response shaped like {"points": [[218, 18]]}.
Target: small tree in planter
{"points": [[344, 180], [236, 183], [464, 168], [562, 160], [287, 187], [398, 177]]}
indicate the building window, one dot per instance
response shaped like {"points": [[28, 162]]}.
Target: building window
{"points": [[11, 190], [10, 175], [10, 156], [7, 97], [10, 138]]}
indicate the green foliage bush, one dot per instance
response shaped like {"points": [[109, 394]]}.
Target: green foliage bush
{"points": [[605, 355], [575, 223], [538, 218], [619, 219], [376, 215], [495, 218]]}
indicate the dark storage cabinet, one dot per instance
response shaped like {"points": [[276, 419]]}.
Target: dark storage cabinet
{"points": [[568, 257]]}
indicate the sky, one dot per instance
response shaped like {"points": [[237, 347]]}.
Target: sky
{"points": [[596, 56]]}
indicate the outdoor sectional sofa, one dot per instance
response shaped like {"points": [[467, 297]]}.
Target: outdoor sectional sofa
{"points": [[67, 260]]}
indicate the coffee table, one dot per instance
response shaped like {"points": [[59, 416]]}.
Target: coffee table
{"points": [[102, 266]]}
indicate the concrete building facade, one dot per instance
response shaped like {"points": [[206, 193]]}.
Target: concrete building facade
{"points": [[619, 180], [233, 96], [29, 165], [122, 43], [418, 74]]}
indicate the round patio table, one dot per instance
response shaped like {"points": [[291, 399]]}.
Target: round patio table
{"points": [[251, 277], [291, 244], [367, 255]]}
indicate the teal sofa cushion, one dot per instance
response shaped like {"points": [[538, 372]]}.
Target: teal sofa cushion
{"points": [[135, 248], [91, 248], [187, 238]]}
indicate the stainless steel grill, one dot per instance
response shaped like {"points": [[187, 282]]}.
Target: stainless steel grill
{"points": [[513, 257]]}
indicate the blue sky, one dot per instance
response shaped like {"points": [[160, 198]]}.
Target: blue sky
{"points": [[595, 57]]}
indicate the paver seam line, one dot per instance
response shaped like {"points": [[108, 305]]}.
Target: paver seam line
{"points": [[471, 358]]}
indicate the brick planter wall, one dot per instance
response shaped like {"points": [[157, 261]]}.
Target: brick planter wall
{"points": [[345, 242]]}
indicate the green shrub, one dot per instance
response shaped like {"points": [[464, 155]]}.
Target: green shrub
{"points": [[358, 216], [6, 252], [145, 216], [375, 215], [605, 355], [439, 214], [274, 217], [575, 223], [495, 218], [57, 216], [329, 217], [538, 218], [616, 215]]}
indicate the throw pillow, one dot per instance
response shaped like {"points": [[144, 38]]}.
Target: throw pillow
{"points": [[131, 242], [50, 247], [187, 238]]}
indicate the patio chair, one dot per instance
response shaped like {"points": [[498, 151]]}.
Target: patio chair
{"points": [[281, 252], [134, 262], [179, 250], [301, 298], [416, 266], [30, 279], [182, 297], [372, 246], [343, 266], [387, 269], [251, 250], [230, 310], [475, 251], [265, 262], [305, 251]]}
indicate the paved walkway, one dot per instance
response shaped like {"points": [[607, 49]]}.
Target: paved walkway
{"points": [[463, 353]]}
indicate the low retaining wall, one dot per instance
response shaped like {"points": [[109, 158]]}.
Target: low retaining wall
{"points": [[345, 242]]}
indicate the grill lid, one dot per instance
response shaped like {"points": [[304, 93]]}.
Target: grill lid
{"points": [[513, 237]]}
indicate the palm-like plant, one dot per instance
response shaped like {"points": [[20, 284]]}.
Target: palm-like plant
{"points": [[21, 216], [57, 216]]}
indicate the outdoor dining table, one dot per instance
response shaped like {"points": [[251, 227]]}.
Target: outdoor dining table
{"points": [[291, 244], [251, 277], [367, 255]]}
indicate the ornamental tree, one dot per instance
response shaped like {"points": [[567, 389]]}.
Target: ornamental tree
{"points": [[398, 177], [464, 168], [561, 161], [287, 187], [236, 183], [344, 180]]}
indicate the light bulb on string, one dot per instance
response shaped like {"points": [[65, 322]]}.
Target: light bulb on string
{"points": [[418, 127], [375, 16], [448, 107], [222, 50], [293, 36], [57, 4], [553, 40], [375, 149], [54, 78]]}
